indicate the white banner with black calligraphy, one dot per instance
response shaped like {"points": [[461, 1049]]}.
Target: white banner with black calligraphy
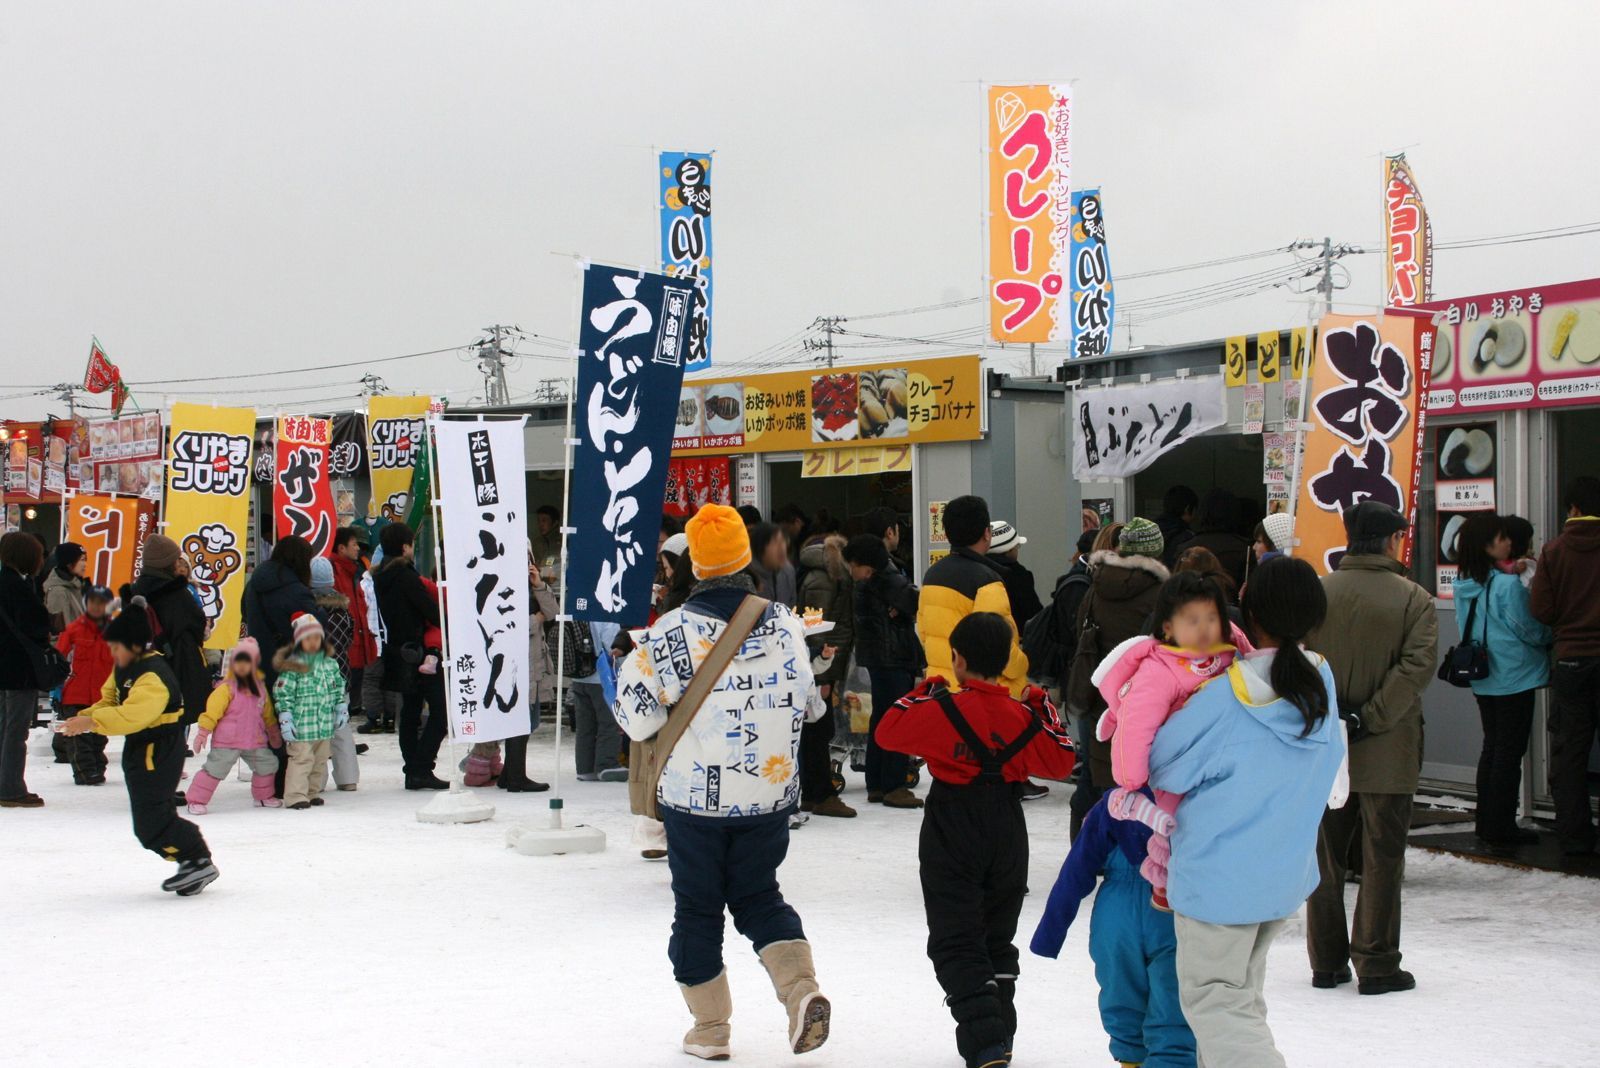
{"points": [[1120, 430], [483, 507]]}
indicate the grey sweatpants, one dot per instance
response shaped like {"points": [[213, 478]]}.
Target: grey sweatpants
{"points": [[219, 762], [374, 698], [1221, 973], [346, 771], [598, 738]]}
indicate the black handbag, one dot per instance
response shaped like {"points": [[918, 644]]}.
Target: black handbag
{"points": [[1467, 661], [50, 668], [578, 657]]}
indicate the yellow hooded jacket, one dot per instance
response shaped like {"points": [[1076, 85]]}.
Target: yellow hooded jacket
{"points": [[954, 588], [140, 697]]}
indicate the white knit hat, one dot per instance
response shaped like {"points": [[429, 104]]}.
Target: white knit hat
{"points": [[305, 624], [1280, 528], [1003, 537]]}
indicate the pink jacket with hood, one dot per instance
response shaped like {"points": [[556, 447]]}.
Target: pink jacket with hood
{"points": [[239, 719]]}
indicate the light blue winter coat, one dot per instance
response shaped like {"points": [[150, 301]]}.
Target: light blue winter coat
{"points": [[1519, 645], [1254, 792]]}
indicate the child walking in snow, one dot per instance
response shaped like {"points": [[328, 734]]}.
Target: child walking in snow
{"points": [[142, 701], [311, 704], [84, 644], [1132, 943], [1144, 681], [239, 724], [981, 745]]}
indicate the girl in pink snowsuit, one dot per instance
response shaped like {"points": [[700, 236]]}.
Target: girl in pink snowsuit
{"points": [[238, 724], [1145, 681]]}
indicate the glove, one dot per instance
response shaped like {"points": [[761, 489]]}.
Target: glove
{"points": [[202, 736], [1158, 854], [1126, 804], [1351, 714], [286, 725], [342, 716]]}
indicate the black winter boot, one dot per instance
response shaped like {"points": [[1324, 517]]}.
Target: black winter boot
{"points": [[1007, 989], [980, 1027], [192, 877]]}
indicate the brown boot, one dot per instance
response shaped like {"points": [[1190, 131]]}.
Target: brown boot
{"points": [[901, 798], [712, 1005], [795, 979], [834, 807]]}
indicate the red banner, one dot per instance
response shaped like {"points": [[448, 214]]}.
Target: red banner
{"points": [[696, 480], [101, 374], [302, 495]]}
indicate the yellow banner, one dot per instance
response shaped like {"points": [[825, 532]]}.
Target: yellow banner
{"points": [[208, 507], [1234, 363], [1030, 212], [867, 460], [810, 411], [395, 437], [1267, 363], [1297, 352]]}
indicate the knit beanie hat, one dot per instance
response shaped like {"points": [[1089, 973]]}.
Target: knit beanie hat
{"points": [[719, 542], [1280, 528], [1140, 537], [68, 553], [305, 624], [248, 648], [132, 625], [321, 573], [160, 553]]}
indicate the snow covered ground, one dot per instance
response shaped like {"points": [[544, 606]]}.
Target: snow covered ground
{"points": [[352, 934]]}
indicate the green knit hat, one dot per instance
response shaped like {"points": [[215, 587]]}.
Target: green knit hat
{"points": [[1140, 537]]}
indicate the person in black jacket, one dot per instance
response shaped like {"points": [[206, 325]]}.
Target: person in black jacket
{"points": [[886, 646], [164, 584], [1216, 527], [1005, 546], [408, 611], [278, 590], [21, 556]]}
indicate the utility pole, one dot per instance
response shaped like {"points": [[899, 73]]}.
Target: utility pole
{"points": [[492, 365], [1033, 363], [828, 324], [372, 385], [1325, 285], [68, 392]]}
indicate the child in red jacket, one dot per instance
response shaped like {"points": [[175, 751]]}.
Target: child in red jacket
{"points": [[84, 644], [981, 746]]}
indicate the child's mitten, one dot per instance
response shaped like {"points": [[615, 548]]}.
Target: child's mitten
{"points": [[1127, 804]]}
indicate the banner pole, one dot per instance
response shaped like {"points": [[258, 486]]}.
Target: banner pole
{"points": [[561, 588]]}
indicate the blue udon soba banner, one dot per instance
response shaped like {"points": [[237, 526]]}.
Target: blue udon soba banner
{"points": [[632, 341]]}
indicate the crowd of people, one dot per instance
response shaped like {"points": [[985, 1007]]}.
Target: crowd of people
{"points": [[1206, 814]]}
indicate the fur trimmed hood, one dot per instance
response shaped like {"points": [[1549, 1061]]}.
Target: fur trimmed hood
{"points": [[1109, 558], [285, 660]]}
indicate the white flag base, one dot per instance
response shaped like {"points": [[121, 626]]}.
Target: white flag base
{"points": [[455, 806], [554, 840]]}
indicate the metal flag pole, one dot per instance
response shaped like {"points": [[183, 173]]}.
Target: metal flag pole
{"points": [[458, 804]]}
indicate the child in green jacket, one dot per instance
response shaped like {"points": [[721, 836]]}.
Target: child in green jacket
{"points": [[311, 702]]}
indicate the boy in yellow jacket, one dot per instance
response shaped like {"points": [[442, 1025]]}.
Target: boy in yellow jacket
{"points": [[142, 701]]}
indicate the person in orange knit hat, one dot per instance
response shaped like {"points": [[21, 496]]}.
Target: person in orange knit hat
{"points": [[719, 542]]}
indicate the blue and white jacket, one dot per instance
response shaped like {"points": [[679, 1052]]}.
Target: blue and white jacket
{"points": [[740, 756]]}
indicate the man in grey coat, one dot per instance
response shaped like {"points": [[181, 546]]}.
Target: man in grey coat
{"points": [[1381, 640]]}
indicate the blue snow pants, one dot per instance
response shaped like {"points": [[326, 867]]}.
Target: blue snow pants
{"points": [[1134, 951]]}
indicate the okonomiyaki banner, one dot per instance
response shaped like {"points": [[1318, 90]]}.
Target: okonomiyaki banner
{"points": [[685, 205], [632, 337], [1408, 237], [1030, 211], [112, 531], [1120, 430], [395, 437], [483, 506], [302, 491], [208, 507], [1094, 306], [915, 401], [1366, 423]]}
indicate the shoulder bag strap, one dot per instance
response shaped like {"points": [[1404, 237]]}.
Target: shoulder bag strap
{"points": [[1472, 613], [705, 677]]}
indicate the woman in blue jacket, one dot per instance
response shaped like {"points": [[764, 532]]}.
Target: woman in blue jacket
{"points": [[1255, 753], [1493, 609]]}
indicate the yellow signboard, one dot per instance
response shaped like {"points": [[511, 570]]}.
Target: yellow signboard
{"points": [[866, 460], [1234, 363], [807, 411], [208, 507], [1267, 356]]}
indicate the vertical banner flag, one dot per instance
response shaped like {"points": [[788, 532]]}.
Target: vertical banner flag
{"points": [[208, 507], [1408, 237], [302, 493], [394, 440], [1030, 210], [483, 507], [685, 207], [1094, 306], [112, 531], [631, 339], [1366, 422]]}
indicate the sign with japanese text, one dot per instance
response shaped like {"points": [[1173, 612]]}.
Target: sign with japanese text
{"points": [[685, 206], [915, 401], [693, 481], [112, 531], [1029, 211], [208, 507], [1094, 305], [1267, 356], [1235, 363], [866, 460], [395, 437], [483, 508], [1120, 430], [1520, 348], [632, 336], [1466, 464], [1366, 422], [1408, 237], [302, 492]]}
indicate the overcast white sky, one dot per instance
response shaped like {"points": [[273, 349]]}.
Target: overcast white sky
{"points": [[217, 188]]}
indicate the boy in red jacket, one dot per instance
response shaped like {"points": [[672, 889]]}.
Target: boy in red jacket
{"points": [[981, 746], [84, 644]]}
